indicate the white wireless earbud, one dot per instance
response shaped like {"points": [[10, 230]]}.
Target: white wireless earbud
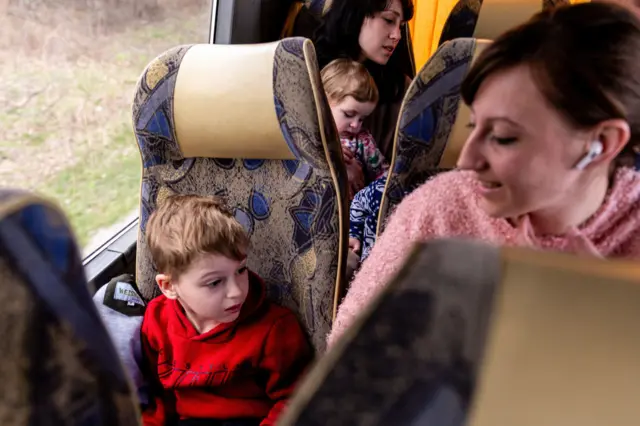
{"points": [[594, 150]]}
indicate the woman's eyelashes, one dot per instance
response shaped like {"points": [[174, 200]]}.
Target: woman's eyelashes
{"points": [[504, 140], [242, 270], [500, 140]]}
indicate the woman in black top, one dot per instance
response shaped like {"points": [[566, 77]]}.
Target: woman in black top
{"points": [[369, 31]]}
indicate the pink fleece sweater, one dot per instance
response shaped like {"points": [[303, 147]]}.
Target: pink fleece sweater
{"points": [[447, 206]]}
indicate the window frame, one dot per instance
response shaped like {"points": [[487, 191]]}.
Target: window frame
{"points": [[212, 21], [116, 256]]}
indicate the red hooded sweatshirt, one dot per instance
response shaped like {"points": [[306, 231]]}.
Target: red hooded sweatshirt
{"points": [[239, 370]]}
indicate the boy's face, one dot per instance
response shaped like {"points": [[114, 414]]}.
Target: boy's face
{"points": [[211, 291], [349, 115]]}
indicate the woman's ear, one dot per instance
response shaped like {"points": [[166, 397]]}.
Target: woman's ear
{"points": [[614, 134], [167, 286]]}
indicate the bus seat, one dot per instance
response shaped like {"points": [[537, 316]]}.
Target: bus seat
{"points": [[506, 337], [487, 19], [429, 122], [59, 365], [251, 123]]}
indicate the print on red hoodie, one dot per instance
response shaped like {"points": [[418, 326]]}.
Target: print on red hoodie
{"points": [[243, 369]]}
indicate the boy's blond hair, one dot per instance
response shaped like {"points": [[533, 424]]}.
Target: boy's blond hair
{"points": [[186, 226], [346, 77]]}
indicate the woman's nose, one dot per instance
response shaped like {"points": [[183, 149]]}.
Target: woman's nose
{"points": [[471, 157], [396, 34]]}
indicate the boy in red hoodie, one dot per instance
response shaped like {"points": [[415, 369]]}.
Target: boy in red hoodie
{"points": [[219, 353]]}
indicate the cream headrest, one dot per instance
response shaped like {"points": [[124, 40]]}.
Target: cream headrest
{"points": [[497, 16], [224, 103]]}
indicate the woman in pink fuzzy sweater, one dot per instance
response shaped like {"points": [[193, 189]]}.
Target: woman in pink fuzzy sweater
{"points": [[555, 109]]}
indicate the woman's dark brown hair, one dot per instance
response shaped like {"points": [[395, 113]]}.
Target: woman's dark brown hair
{"points": [[585, 60], [338, 37]]}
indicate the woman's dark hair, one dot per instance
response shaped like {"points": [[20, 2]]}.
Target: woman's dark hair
{"points": [[585, 60], [337, 37]]}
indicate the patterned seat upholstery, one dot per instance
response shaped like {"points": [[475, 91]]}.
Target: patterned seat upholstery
{"points": [[59, 366], [507, 337], [466, 19], [429, 122], [251, 123]]}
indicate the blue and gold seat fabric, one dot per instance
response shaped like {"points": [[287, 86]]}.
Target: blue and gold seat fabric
{"points": [[251, 123], [428, 119], [59, 365]]}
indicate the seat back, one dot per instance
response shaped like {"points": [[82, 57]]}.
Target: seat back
{"points": [[487, 19], [506, 337], [431, 130], [59, 365], [251, 123]]}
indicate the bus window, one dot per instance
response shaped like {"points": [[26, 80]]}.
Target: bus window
{"points": [[249, 21], [68, 75]]}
